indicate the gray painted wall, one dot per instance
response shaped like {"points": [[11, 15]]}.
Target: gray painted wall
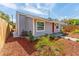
{"points": [[48, 29], [28, 24], [25, 23]]}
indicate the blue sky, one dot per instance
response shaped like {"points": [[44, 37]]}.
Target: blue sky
{"points": [[57, 10]]}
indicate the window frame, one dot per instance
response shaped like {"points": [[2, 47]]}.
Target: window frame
{"points": [[37, 27]]}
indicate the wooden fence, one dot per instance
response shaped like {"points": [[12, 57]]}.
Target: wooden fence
{"points": [[4, 31]]}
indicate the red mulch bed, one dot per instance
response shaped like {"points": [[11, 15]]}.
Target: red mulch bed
{"points": [[24, 46], [75, 35], [71, 48], [25, 43]]}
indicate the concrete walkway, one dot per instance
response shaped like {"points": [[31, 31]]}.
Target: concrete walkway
{"points": [[73, 39]]}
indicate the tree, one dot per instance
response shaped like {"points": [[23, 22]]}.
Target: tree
{"points": [[13, 24], [4, 16], [7, 18], [72, 21]]}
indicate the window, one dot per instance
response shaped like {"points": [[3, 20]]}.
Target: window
{"points": [[57, 26], [40, 26]]}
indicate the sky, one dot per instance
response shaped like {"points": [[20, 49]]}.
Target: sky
{"points": [[45, 10]]}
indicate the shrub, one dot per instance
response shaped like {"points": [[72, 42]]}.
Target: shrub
{"points": [[50, 50], [45, 47], [77, 40], [28, 34], [43, 41], [51, 36], [32, 38], [46, 35], [75, 31], [24, 33]]}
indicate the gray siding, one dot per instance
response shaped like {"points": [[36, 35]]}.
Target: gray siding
{"points": [[28, 24], [25, 23]]}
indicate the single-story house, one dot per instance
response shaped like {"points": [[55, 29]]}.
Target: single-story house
{"points": [[37, 25]]}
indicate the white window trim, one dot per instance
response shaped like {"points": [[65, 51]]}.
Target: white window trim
{"points": [[40, 30], [58, 26]]}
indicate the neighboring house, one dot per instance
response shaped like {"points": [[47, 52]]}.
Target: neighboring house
{"points": [[37, 25]]}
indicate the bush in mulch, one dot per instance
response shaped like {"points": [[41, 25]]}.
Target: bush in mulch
{"points": [[45, 47], [69, 28], [43, 41], [77, 40], [49, 51], [75, 31]]}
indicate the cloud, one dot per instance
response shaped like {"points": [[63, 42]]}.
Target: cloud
{"points": [[38, 5], [26, 8], [27, 4], [40, 9], [47, 6], [34, 10], [9, 5]]}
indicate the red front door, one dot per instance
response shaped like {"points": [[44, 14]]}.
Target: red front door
{"points": [[52, 27]]}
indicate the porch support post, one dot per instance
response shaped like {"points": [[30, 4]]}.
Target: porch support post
{"points": [[17, 23], [33, 26]]}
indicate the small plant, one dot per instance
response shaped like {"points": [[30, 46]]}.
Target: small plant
{"points": [[28, 34], [47, 35], [51, 36], [24, 33], [77, 40], [31, 36]]}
